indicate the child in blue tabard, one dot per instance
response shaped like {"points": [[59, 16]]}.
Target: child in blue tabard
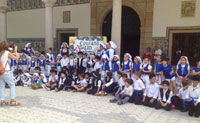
{"points": [[196, 70], [167, 73], [13, 64], [182, 71], [28, 49], [51, 57], [58, 62], [41, 63], [106, 67], [47, 65], [146, 69], [64, 49], [102, 48], [127, 64], [23, 62], [136, 66], [33, 64], [115, 67], [71, 63], [110, 52], [157, 69]]}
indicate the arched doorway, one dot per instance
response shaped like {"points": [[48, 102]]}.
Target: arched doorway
{"points": [[130, 35]]}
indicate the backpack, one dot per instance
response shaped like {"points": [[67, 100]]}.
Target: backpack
{"points": [[2, 69]]}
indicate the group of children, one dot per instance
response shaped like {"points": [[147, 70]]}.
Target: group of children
{"points": [[102, 73]]}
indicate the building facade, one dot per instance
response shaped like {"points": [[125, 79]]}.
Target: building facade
{"points": [[174, 25]]}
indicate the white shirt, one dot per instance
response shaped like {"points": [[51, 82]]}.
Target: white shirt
{"points": [[98, 84], [97, 66], [184, 94], [109, 83], [128, 90], [139, 85], [83, 83], [4, 59], [157, 52], [51, 79], [111, 54], [152, 90], [194, 92], [164, 97], [62, 80], [64, 62], [71, 62], [144, 65], [84, 62], [121, 82]]}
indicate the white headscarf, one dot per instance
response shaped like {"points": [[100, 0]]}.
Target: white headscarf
{"points": [[113, 45], [187, 61], [59, 55], [104, 56], [139, 59], [27, 45], [103, 45], [116, 56], [129, 55], [64, 44], [36, 74]]}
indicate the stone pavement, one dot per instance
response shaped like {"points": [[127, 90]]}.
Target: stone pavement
{"points": [[41, 106]]}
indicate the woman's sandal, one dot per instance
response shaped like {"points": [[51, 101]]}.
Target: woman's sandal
{"points": [[4, 103], [14, 103]]}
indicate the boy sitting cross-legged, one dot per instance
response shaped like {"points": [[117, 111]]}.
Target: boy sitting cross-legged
{"points": [[124, 96]]}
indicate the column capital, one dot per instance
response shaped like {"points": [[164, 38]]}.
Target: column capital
{"points": [[3, 9], [49, 3]]}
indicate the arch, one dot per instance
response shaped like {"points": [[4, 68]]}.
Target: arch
{"points": [[108, 8]]}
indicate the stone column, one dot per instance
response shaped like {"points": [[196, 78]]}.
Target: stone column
{"points": [[49, 43], [116, 24], [3, 22]]}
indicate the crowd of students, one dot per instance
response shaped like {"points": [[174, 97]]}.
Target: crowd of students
{"points": [[103, 73]]}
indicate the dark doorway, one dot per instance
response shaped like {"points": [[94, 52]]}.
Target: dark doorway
{"points": [[185, 44], [130, 35], [63, 35]]}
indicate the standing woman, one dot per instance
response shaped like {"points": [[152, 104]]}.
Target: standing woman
{"points": [[7, 76]]}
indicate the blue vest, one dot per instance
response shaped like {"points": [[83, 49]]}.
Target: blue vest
{"points": [[64, 52], [158, 67], [182, 71], [167, 70], [146, 69], [24, 62], [115, 67], [106, 66], [196, 69], [32, 63], [47, 61], [88, 65], [136, 67], [126, 66], [108, 54], [58, 64], [101, 54], [41, 63], [13, 62], [28, 51]]}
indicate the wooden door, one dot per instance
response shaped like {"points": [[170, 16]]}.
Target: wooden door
{"points": [[186, 44]]}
